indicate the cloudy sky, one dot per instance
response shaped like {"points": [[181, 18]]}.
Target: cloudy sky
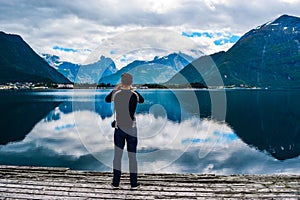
{"points": [[74, 29]]}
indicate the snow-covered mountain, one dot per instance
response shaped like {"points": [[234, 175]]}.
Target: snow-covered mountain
{"points": [[267, 56], [158, 70], [77, 73]]}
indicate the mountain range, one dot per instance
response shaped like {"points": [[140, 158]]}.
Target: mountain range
{"points": [[77, 73], [19, 63], [159, 70], [267, 56]]}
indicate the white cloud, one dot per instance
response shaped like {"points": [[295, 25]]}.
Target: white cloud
{"points": [[212, 42], [159, 7], [144, 44], [84, 24], [290, 1]]}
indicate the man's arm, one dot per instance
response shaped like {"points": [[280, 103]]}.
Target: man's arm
{"points": [[141, 98], [109, 97]]}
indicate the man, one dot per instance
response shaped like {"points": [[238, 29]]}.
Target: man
{"points": [[125, 101]]}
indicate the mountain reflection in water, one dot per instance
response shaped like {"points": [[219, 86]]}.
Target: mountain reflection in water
{"points": [[177, 133]]}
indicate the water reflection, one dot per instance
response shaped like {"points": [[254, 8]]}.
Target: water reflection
{"points": [[172, 136], [19, 115], [268, 120]]}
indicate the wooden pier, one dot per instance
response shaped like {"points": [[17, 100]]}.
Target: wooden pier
{"points": [[62, 183]]}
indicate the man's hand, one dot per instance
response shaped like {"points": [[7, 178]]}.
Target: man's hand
{"points": [[119, 86]]}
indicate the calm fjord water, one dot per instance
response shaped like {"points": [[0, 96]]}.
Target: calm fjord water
{"points": [[186, 131]]}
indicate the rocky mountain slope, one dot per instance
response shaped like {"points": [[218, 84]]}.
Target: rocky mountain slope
{"points": [[19, 63], [268, 56]]}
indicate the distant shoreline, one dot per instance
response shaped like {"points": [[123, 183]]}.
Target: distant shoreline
{"points": [[55, 86]]}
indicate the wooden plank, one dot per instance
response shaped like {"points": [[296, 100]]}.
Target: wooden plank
{"points": [[62, 183]]}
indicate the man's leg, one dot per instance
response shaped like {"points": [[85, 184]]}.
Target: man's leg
{"points": [[131, 148], [119, 141]]}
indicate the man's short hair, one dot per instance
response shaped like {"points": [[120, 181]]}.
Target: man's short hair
{"points": [[126, 79]]}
